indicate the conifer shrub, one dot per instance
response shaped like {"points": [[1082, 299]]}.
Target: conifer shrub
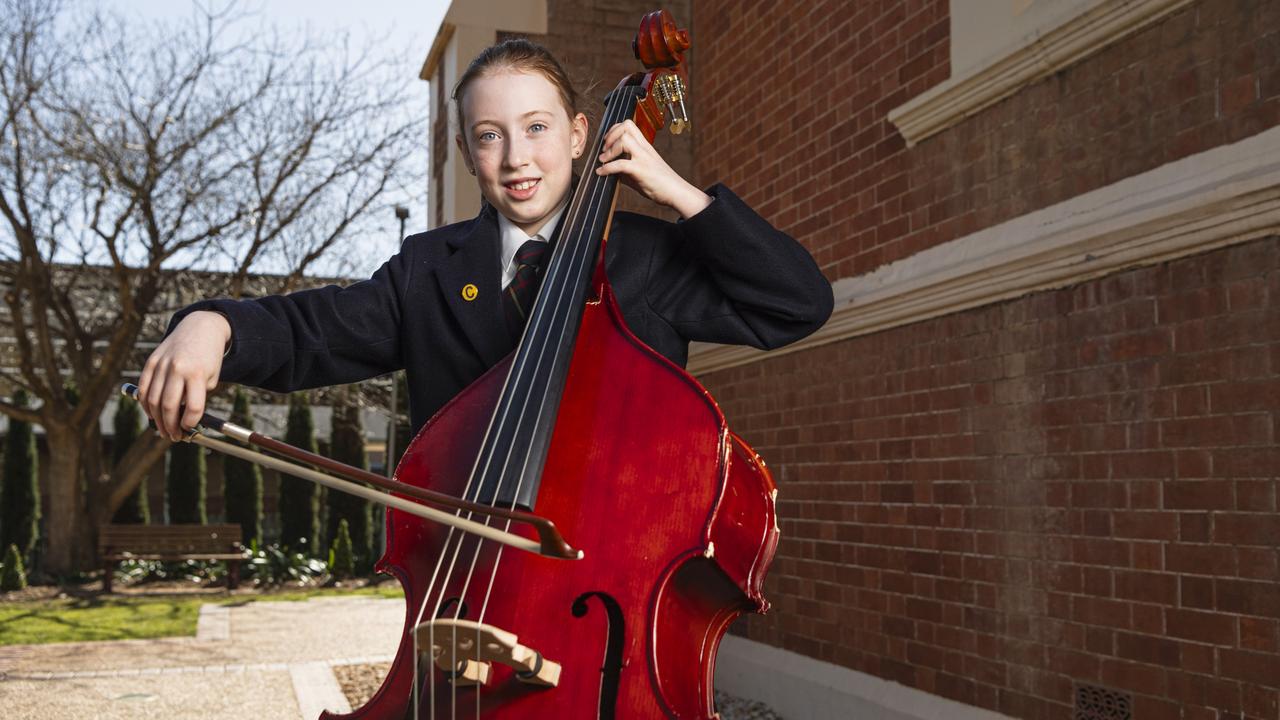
{"points": [[404, 431], [127, 426], [185, 484], [300, 499], [242, 489], [342, 561], [12, 575], [19, 492], [347, 446]]}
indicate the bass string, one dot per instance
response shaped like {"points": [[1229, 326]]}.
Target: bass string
{"points": [[601, 191], [583, 244], [579, 264], [579, 245], [526, 381]]}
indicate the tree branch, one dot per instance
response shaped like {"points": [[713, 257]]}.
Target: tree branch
{"points": [[20, 413]]}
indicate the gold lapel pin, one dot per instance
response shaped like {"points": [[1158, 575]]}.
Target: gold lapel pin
{"points": [[469, 292]]}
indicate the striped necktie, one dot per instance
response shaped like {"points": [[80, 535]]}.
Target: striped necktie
{"points": [[517, 299]]}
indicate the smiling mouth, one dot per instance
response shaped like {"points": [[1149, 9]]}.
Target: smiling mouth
{"points": [[522, 185]]}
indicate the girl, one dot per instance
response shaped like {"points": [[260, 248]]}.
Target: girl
{"points": [[722, 274]]}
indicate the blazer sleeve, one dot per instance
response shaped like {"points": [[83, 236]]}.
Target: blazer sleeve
{"points": [[733, 278], [323, 336]]}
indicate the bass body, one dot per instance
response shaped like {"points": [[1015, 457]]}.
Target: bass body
{"points": [[630, 458]]}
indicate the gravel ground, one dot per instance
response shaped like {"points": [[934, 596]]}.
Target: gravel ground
{"points": [[359, 682], [732, 708]]}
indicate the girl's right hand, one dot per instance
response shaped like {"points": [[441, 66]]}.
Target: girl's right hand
{"points": [[182, 370]]}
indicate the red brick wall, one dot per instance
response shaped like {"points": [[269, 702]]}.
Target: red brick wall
{"points": [[793, 113], [1075, 487], [795, 98], [1078, 486]]}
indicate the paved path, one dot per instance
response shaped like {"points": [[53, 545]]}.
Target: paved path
{"points": [[268, 660], [261, 660]]}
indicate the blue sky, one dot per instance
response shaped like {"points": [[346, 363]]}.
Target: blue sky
{"points": [[407, 25], [402, 29]]}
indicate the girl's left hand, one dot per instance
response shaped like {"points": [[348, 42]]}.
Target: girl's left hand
{"points": [[626, 152]]}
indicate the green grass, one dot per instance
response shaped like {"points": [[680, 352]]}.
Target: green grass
{"points": [[135, 617], [97, 619], [385, 590]]}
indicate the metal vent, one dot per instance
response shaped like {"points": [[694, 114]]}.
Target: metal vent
{"points": [[1095, 703]]}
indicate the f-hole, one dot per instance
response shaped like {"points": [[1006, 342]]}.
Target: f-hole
{"points": [[462, 609], [611, 670]]}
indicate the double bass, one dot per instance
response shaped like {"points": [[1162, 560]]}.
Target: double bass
{"points": [[628, 456], [602, 526]]}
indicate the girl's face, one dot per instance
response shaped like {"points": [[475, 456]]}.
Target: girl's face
{"points": [[520, 142]]}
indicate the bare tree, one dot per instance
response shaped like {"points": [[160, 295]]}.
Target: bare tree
{"points": [[128, 154]]}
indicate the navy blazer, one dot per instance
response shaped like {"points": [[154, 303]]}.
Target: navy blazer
{"points": [[723, 276]]}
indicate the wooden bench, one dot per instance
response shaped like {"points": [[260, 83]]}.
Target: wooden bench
{"points": [[170, 542]]}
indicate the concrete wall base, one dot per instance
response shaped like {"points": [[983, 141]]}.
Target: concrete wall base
{"points": [[801, 688]]}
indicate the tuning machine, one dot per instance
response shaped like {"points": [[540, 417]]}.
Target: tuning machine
{"points": [[668, 91]]}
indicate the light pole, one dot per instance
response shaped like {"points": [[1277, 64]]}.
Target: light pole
{"points": [[402, 214]]}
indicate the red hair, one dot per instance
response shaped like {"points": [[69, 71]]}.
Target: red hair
{"points": [[520, 55]]}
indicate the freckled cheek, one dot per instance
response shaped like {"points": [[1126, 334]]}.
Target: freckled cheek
{"points": [[487, 168], [555, 160]]}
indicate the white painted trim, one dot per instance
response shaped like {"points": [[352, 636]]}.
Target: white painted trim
{"points": [[1026, 61], [797, 686], [1227, 195]]}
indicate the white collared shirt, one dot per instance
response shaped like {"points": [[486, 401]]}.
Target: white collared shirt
{"points": [[513, 237]]}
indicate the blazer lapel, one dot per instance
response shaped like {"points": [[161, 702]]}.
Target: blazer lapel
{"points": [[474, 262]]}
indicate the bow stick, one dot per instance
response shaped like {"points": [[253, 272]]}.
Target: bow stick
{"points": [[550, 543]]}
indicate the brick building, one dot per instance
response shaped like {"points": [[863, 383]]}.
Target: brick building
{"points": [[1030, 466]]}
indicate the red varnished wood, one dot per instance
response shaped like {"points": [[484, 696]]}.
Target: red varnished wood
{"points": [[745, 531], [659, 42], [641, 500], [674, 515]]}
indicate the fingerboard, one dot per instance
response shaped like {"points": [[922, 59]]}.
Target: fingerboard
{"points": [[508, 470]]}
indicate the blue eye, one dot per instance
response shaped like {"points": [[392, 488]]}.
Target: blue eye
{"points": [[537, 127], [488, 135]]}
